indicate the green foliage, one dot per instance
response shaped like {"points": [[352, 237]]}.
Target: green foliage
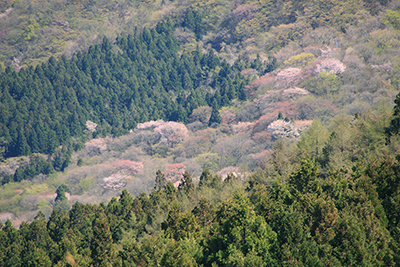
{"points": [[111, 89], [61, 190], [160, 181], [85, 184], [37, 165], [208, 161], [215, 116], [298, 210], [209, 180], [302, 59], [240, 237], [296, 222], [179, 226], [101, 245], [193, 21], [323, 84], [304, 178], [313, 141], [394, 127], [392, 17], [61, 159], [30, 29], [386, 179], [187, 186]]}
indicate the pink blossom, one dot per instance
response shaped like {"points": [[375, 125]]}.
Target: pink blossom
{"points": [[128, 166], [173, 172], [149, 124], [172, 132], [330, 65]]}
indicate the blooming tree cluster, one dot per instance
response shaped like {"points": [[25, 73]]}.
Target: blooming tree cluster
{"points": [[173, 172], [172, 132], [330, 65], [241, 127], [125, 169], [91, 126], [98, 143], [288, 77], [128, 166], [149, 124]]}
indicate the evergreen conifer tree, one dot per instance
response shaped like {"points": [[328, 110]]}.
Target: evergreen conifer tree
{"points": [[160, 181], [215, 117], [101, 245], [394, 127], [186, 185]]}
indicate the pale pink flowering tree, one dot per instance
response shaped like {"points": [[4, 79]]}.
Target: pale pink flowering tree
{"points": [[330, 65], [172, 132], [173, 172], [149, 124], [128, 166], [289, 77], [244, 12]]}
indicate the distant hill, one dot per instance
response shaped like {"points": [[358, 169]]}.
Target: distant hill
{"points": [[33, 31]]}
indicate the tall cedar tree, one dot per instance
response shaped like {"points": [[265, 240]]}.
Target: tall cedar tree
{"points": [[394, 127]]}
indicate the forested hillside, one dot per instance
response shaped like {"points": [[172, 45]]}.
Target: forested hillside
{"points": [[32, 32], [140, 78], [199, 133], [344, 218]]}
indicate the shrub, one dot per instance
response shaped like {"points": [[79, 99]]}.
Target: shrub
{"points": [[392, 18], [302, 59], [325, 83]]}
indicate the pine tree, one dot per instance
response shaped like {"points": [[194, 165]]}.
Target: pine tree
{"points": [[186, 185], [58, 225], [81, 219], [14, 243], [101, 244], [305, 178], [160, 181], [394, 127], [215, 116], [189, 21], [22, 147], [240, 236], [205, 178]]}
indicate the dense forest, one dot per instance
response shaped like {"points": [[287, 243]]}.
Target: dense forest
{"points": [[199, 133], [306, 218], [145, 80]]}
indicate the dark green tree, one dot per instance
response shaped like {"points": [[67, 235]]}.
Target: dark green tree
{"points": [[178, 225], [394, 126], [160, 181], [22, 147], [101, 245], [61, 190], [204, 212], [241, 237], [187, 186], [305, 179], [205, 177], [81, 219], [13, 242], [215, 117]]}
